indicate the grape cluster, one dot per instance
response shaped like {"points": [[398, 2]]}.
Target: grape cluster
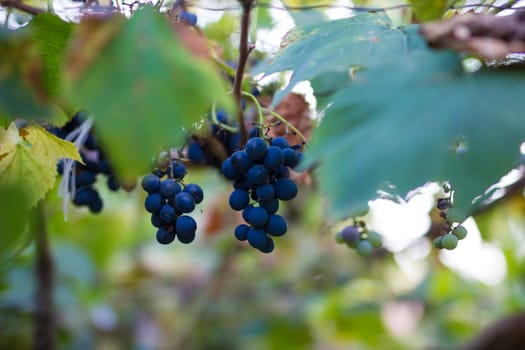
{"points": [[168, 200], [198, 150], [261, 178], [358, 237], [84, 176], [453, 229]]}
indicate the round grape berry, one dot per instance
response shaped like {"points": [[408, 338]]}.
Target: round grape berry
{"points": [[256, 148], [265, 192], [257, 217], [167, 214], [169, 188], [276, 225], [351, 236], [153, 203], [185, 225], [460, 232], [258, 175], [285, 189], [151, 183], [438, 242], [269, 246], [280, 142], [164, 236], [364, 248], [241, 232], [239, 199], [196, 191], [257, 238], [178, 168], [449, 241], [375, 239], [274, 158], [184, 202]]}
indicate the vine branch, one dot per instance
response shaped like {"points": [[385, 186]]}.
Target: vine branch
{"points": [[244, 51], [19, 5], [44, 318]]}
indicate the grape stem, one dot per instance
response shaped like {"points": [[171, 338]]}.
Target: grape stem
{"points": [[222, 125], [244, 52], [261, 111]]}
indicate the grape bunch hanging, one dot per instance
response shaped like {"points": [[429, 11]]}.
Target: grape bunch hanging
{"points": [[261, 178], [169, 200], [454, 231], [82, 177], [358, 237]]}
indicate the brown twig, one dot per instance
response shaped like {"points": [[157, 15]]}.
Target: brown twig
{"points": [[244, 51], [19, 5], [44, 319]]}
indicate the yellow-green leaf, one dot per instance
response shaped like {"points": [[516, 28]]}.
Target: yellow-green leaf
{"points": [[28, 159]]}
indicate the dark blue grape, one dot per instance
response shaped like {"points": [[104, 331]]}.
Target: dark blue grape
{"points": [[247, 211], [285, 189], [195, 152], [196, 191], [184, 202], [84, 196], [276, 225], [234, 143], [291, 158], [154, 203], [169, 188], [269, 246], [258, 174], [280, 142], [85, 178], [257, 238], [274, 158], [256, 148], [164, 236], [95, 206], [241, 232], [239, 199], [271, 205], [257, 217], [186, 238], [240, 161], [178, 168], [151, 183], [188, 17], [240, 185], [113, 183], [228, 170], [167, 213], [351, 235], [156, 220], [265, 192], [185, 226], [91, 142], [282, 171], [105, 168]]}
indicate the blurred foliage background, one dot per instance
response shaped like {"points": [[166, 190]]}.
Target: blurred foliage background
{"points": [[117, 288]]}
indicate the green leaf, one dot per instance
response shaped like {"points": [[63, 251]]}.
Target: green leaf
{"points": [[14, 217], [364, 40], [418, 120], [143, 89], [426, 10], [20, 77], [51, 36], [28, 159]]}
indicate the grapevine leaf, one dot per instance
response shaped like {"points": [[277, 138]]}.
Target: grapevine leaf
{"points": [[51, 36], [364, 40], [418, 120], [28, 159], [153, 89], [14, 218], [426, 10], [20, 77]]}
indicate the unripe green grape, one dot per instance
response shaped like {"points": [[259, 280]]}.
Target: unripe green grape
{"points": [[449, 241], [460, 232], [438, 242], [364, 248], [375, 239], [339, 237], [454, 215]]}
